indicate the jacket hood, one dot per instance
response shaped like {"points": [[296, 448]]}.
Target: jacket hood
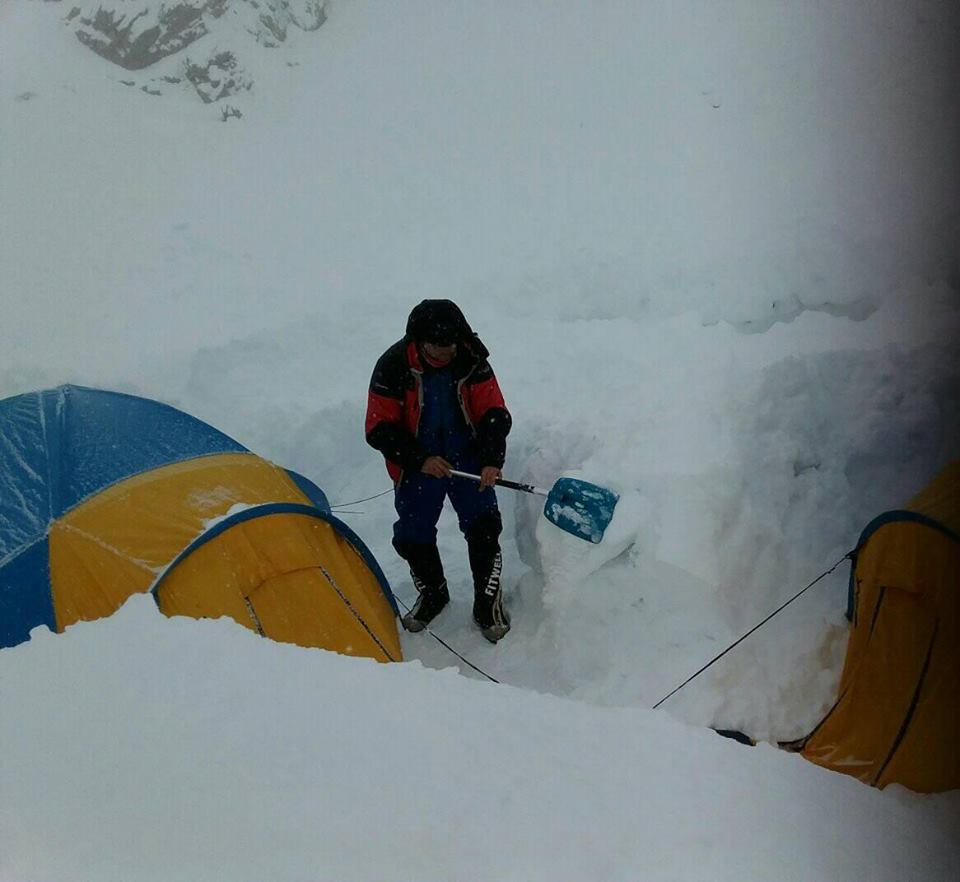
{"points": [[434, 321]]}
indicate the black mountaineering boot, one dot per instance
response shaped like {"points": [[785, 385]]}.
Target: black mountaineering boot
{"points": [[429, 603], [488, 611], [486, 564], [426, 570]]}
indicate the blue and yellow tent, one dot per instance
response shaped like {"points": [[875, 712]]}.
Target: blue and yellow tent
{"points": [[103, 495]]}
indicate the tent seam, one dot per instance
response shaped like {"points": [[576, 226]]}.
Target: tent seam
{"points": [[806, 739], [913, 706], [354, 612]]}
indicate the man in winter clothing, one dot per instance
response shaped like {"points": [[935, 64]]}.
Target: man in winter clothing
{"points": [[434, 405]]}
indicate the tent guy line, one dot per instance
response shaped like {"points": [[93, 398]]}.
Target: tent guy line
{"points": [[341, 505], [444, 643], [756, 627]]}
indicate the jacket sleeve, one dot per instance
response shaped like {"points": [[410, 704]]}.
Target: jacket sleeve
{"points": [[490, 415], [384, 427]]}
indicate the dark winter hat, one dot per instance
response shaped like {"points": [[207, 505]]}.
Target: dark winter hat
{"points": [[438, 321]]}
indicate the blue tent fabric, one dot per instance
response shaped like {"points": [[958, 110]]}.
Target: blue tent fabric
{"points": [[61, 446], [310, 490], [24, 474], [25, 599]]}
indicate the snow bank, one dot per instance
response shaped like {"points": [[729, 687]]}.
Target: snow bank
{"points": [[153, 749]]}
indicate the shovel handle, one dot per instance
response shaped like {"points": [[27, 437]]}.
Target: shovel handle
{"points": [[503, 482]]}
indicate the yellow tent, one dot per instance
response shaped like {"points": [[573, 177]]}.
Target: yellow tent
{"points": [[897, 715], [104, 495]]}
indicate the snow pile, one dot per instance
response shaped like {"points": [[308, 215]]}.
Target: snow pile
{"points": [[176, 749], [567, 563]]}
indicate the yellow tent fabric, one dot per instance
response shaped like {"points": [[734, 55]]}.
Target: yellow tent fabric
{"points": [[117, 542], [897, 717], [291, 577]]}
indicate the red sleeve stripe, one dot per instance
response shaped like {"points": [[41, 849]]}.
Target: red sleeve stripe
{"points": [[483, 396], [382, 409]]}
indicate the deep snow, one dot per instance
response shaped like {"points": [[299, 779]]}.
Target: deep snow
{"points": [[713, 250]]}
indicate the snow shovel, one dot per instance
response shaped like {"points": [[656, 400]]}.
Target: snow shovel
{"points": [[577, 507]]}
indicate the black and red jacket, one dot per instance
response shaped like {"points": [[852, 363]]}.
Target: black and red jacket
{"points": [[395, 402]]}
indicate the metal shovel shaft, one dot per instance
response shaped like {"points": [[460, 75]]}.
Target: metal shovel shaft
{"points": [[503, 482]]}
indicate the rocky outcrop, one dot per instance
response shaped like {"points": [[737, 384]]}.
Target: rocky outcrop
{"points": [[220, 77], [276, 17], [135, 34], [149, 40]]}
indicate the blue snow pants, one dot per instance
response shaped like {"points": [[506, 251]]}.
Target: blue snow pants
{"points": [[419, 500]]}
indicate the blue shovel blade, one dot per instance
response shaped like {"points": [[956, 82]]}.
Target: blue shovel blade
{"points": [[580, 508]]}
